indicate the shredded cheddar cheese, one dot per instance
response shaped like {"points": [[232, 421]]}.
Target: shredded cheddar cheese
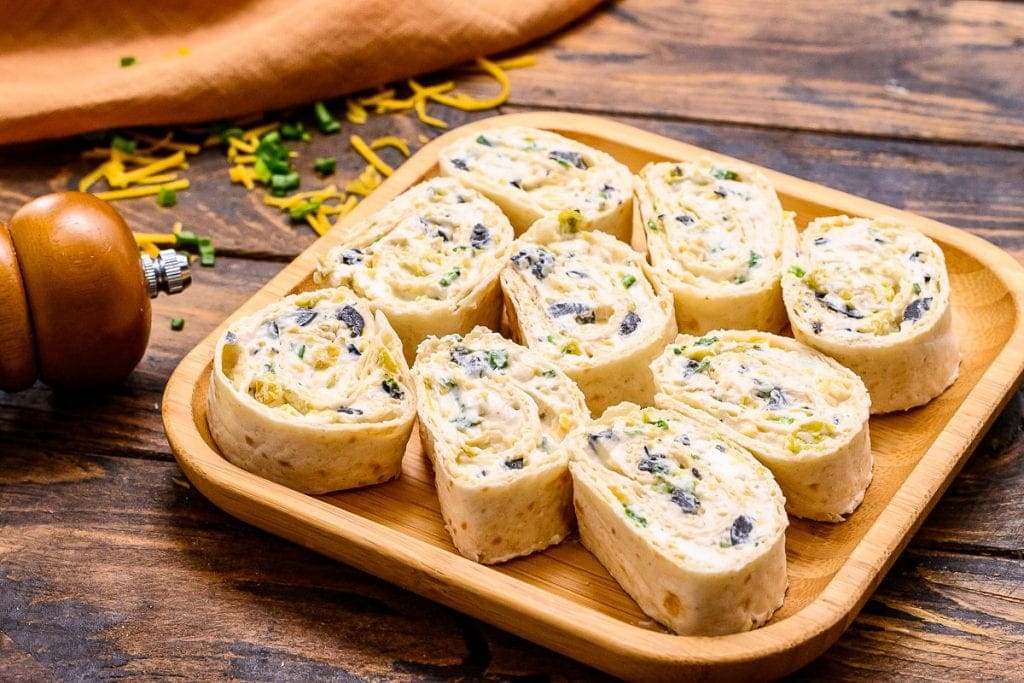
{"points": [[365, 152], [142, 190]]}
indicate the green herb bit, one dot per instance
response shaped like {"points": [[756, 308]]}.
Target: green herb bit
{"points": [[724, 173], [300, 350], [177, 324], [551, 339], [327, 123], [634, 516], [207, 255], [917, 288], [292, 131], [186, 239], [124, 144], [300, 211], [783, 418], [263, 173], [754, 259], [128, 60], [450, 277], [677, 350], [481, 140], [166, 198], [269, 368], [797, 270], [283, 182], [739, 279], [705, 341], [652, 225], [498, 359], [662, 424], [628, 280], [325, 165], [725, 543], [232, 132], [662, 486], [548, 373]]}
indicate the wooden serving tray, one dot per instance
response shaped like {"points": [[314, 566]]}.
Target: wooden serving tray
{"points": [[562, 598]]}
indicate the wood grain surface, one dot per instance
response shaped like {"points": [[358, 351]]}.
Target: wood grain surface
{"points": [[111, 565]]}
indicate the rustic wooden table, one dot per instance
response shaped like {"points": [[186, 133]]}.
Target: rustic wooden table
{"points": [[112, 565]]}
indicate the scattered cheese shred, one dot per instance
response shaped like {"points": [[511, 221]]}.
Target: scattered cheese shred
{"points": [[467, 103], [391, 141], [142, 190], [421, 113], [365, 152], [140, 174], [368, 181], [520, 62], [355, 112]]}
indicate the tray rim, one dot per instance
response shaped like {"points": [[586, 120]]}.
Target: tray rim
{"points": [[598, 639]]}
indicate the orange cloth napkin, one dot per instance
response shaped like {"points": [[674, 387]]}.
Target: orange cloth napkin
{"points": [[199, 60]]}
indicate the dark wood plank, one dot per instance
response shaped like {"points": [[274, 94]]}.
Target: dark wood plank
{"points": [[895, 68]]}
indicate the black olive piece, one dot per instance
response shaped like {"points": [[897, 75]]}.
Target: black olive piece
{"points": [[304, 317], [230, 338], [696, 473], [350, 257], [927, 279], [652, 462], [608, 188], [685, 219], [720, 448], [629, 323], [775, 396], [686, 501], [721, 192], [516, 464], [683, 439], [592, 439], [916, 309], [573, 158], [349, 411], [578, 274], [460, 164], [351, 348], [842, 307], [816, 326], [445, 237], [582, 313], [392, 389], [916, 256], [474, 363], [353, 319], [820, 241], [480, 236], [272, 329], [879, 240], [516, 184], [740, 530], [538, 261]]}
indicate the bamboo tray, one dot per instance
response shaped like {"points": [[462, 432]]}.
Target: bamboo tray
{"points": [[562, 598]]}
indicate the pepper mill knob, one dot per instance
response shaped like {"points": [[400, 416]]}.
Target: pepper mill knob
{"points": [[169, 272], [75, 294]]}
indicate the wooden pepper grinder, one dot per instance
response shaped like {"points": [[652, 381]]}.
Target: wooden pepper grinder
{"points": [[74, 293]]}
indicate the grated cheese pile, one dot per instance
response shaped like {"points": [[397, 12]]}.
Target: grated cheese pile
{"points": [[131, 170]]}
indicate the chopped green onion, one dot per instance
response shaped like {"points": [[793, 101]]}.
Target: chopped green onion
{"points": [[326, 122], [652, 225], [306, 137], [917, 288], [292, 131], [207, 256], [325, 165], [177, 324], [724, 174], [628, 280], [797, 270], [124, 144], [262, 172], [300, 351], [166, 198], [450, 277], [705, 341], [283, 182], [481, 140], [186, 239], [300, 211], [128, 60]]}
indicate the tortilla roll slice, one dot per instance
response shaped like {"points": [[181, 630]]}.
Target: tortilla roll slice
{"points": [[429, 260], [312, 392], [802, 414], [530, 173], [715, 235], [588, 303], [493, 416], [874, 294], [687, 521]]}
